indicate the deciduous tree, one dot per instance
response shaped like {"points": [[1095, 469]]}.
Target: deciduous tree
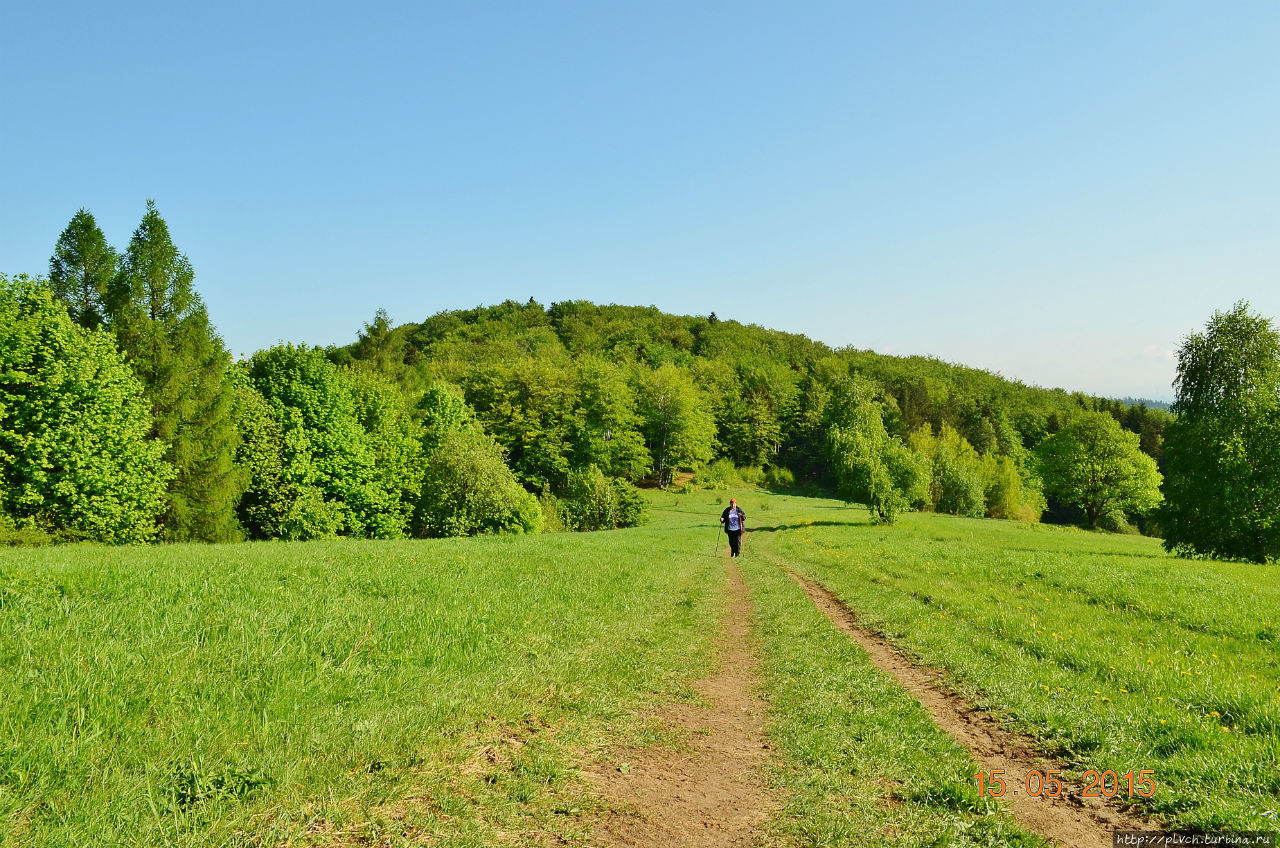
{"points": [[1223, 450], [328, 451], [869, 465], [76, 458], [677, 426], [1095, 464]]}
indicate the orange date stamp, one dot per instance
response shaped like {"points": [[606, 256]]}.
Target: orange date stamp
{"points": [[1049, 784]]}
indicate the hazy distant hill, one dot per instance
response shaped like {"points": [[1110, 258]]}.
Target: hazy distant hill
{"points": [[1147, 402]]}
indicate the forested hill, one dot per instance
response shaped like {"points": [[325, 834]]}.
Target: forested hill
{"points": [[537, 375], [525, 418]]}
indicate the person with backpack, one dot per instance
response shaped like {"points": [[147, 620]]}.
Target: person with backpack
{"points": [[734, 521]]}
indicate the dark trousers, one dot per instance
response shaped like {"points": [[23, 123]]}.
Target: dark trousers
{"points": [[735, 542]]}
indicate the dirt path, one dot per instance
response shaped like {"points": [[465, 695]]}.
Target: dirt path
{"points": [[712, 792], [1069, 819]]}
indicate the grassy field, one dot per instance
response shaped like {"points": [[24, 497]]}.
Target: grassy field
{"points": [[863, 762], [1111, 653], [389, 692], [332, 692]]}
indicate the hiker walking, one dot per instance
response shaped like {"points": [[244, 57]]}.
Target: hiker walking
{"points": [[734, 521]]}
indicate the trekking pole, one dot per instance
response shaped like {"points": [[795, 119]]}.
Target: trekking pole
{"points": [[717, 542]]}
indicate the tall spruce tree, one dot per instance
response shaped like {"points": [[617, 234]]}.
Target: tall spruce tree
{"points": [[162, 326], [81, 270]]}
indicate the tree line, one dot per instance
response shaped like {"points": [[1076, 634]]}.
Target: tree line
{"points": [[125, 419]]}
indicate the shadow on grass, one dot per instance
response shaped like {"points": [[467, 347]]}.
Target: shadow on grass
{"points": [[800, 526]]}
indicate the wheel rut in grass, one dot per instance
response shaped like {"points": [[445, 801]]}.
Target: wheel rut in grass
{"points": [[712, 792], [1069, 819]]}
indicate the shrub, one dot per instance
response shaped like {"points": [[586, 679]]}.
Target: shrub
{"points": [[717, 475], [589, 501], [954, 471], [779, 477], [1116, 522], [550, 505], [1012, 491], [12, 536], [633, 507], [468, 489], [592, 501]]}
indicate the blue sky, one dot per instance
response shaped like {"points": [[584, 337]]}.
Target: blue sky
{"points": [[1057, 192]]}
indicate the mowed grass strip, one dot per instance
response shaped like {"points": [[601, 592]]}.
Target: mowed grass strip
{"points": [[1115, 655], [336, 692], [861, 760]]}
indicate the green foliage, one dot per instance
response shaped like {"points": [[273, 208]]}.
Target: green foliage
{"points": [[441, 410], [262, 455], [394, 436], [550, 384], [633, 506], [753, 409], [1094, 464], [719, 474], [328, 448], [1012, 490], [1223, 451], [75, 455], [954, 470], [81, 270], [677, 428], [162, 326], [779, 478], [868, 464], [468, 489], [528, 405], [963, 482], [592, 501], [13, 536], [282, 500], [607, 425], [550, 505]]}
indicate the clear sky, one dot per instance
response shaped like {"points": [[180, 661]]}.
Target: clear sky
{"points": [[1055, 191]]}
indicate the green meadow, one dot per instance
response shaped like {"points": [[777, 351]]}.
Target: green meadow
{"points": [[446, 691], [1111, 653], [327, 691]]}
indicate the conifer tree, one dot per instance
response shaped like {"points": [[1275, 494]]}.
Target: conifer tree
{"points": [[162, 326], [81, 269]]}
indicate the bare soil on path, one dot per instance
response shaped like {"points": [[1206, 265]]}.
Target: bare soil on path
{"points": [[1069, 819], [710, 792]]}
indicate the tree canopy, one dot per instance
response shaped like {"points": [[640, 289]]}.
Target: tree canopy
{"points": [[1223, 451], [516, 416], [1095, 464], [76, 457]]}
